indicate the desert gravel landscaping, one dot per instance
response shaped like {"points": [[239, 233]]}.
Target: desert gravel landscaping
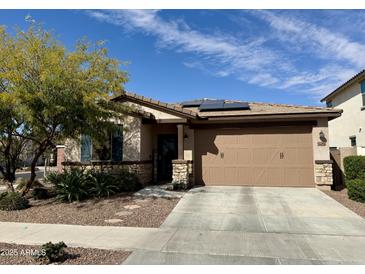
{"points": [[341, 197], [121, 210], [76, 256]]}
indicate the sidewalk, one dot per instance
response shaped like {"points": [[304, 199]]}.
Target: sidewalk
{"points": [[103, 237]]}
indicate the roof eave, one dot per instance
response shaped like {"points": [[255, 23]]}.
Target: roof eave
{"points": [[348, 83], [148, 102]]}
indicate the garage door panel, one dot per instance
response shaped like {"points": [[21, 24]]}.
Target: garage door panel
{"points": [[228, 157], [244, 139], [290, 157], [230, 174], [244, 156], [255, 156], [305, 176], [244, 176], [305, 157], [260, 156]]}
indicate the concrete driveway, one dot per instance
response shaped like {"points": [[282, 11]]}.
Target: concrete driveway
{"points": [[252, 225]]}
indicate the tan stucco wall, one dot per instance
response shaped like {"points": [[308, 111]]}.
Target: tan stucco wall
{"points": [[352, 120], [132, 142], [320, 152], [131, 138], [146, 142], [188, 143], [72, 150], [158, 114], [323, 175]]}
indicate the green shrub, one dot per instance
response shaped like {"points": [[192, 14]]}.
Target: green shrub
{"points": [[77, 184], [354, 167], [52, 252], [13, 201], [53, 178], [20, 184], [128, 182], [40, 193], [356, 190], [71, 185], [101, 184]]}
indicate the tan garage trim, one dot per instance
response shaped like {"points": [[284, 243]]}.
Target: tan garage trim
{"points": [[272, 156]]}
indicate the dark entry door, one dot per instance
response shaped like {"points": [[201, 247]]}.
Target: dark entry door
{"points": [[167, 151]]}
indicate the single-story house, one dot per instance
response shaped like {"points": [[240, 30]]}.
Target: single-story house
{"points": [[215, 143]]}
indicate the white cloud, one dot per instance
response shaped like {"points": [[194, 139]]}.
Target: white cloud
{"points": [[326, 43], [234, 57], [273, 58]]}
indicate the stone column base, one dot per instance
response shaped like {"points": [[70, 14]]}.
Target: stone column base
{"points": [[181, 174], [323, 174]]}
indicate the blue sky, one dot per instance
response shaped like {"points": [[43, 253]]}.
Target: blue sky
{"points": [[291, 56]]}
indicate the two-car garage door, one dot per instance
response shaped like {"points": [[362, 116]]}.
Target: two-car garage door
{"points": [[271, 156]]}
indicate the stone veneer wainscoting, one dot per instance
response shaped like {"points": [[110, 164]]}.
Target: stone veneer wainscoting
{"points": [[323, 174], [182, 173], [143, 169]]}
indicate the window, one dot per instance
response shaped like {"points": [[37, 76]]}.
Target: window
{"points": [[353, 141], [108, 148], [362, 88], [329, 104]]}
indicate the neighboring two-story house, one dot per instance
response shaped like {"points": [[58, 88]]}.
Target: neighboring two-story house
{"points": [[348, 130]]}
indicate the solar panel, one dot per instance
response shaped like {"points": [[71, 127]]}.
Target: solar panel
{"points": [[236, 106], [212, 105], [194, 103]]}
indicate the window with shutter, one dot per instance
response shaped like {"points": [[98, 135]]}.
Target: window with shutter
{"points": [[117, 144], [86, 148]]}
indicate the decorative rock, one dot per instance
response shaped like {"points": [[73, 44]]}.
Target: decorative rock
{"points": [[131, 206], [113, 221], [141, 200], [123, 213]]}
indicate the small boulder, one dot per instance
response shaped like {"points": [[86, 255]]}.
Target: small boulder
{"points": [[123, 213], [131, 207], [113, 221]]}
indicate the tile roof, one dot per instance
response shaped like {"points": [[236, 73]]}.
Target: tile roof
{"points": [[254, 110], [265, 109], [149, 101]]}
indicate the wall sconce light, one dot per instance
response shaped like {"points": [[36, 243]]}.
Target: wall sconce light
{"points": [[322, 137]]}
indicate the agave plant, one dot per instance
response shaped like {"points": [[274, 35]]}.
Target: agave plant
{"points": [[102, 184], [72, 185]]}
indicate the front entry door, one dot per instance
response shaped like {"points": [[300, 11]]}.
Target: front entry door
{"points": [[167, 151]]}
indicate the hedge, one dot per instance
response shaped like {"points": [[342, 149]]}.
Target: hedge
{"points": [[354, 167], [356, 189]]}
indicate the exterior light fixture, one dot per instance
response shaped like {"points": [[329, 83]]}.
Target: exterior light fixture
{"points": [[322, 137]]}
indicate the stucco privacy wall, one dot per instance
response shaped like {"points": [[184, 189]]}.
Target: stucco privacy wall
{"points": [[352, 120]]}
